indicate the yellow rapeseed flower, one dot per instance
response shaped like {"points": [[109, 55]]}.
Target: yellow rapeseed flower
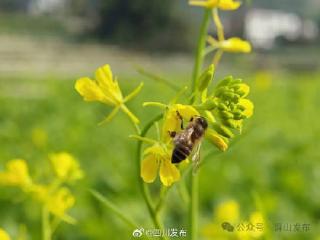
{"points": [[16, 174], [66, 166], [106, 89], [229, 5], [172, 122], [156, 158], [59, 202], [233, 45], [221, 4], [257, 218], [4, 235], [227, 211]]}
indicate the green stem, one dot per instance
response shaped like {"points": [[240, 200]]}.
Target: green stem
{"points": [[143, 187], [46, 230], [193, 211], [194, 203], [199, 51]]}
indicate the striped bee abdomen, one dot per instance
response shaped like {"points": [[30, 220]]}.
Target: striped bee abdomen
{"points": [[180, 153]]}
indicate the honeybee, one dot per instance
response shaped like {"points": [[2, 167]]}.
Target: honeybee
{"points": [[188, 141]]}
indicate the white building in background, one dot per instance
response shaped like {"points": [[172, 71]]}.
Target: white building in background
{"points": [[46, 6], [263, 26]]}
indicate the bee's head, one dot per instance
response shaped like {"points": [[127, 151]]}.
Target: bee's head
{"points": [[201, 121]]}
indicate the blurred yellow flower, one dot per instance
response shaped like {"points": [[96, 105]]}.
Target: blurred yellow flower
{"points": [[222, 4], [66, 166], [227, 212], [156, 157], [106, 89], [229, 4], [233, 45], [59, 202], [4, 235], [16, 174], [205, 3], [257, 218]]}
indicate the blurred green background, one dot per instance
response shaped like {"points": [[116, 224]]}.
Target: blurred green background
{"points": [[46, 45]]}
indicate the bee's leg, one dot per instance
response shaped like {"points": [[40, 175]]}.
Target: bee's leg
{"points": [[181, 119], [172, 134]]}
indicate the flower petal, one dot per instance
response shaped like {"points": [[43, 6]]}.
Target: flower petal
{"points": [[90, 91], [229, 5], [149, 168], [248, 107], [109, 86], [168, 173], [17, 174], [206, 3], [59, 202], [172, 122], [4, 235], [216, 139], [235, 45], [228, 211], [66, 166]]}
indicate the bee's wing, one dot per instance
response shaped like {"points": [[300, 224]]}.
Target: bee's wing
{"points": [[195, 156]]}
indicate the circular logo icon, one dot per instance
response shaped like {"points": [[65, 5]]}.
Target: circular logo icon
{"points": [[137, 232]]}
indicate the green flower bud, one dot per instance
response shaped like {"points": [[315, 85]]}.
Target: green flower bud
{"points": [[222, 130], [237, 81], [232, 123], [222, 106], [242, 89], [210, 104], [226, 115], [225, 82], [206, 78]]}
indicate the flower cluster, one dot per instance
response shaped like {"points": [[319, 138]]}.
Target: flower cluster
{"points": [[4, 235], [226, 219], [226, 109], [55, 196]]}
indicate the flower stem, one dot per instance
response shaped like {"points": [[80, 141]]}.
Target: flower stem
{"points": [[218, 24], [143, 187], [46, 230], [194, 206], [193, 211], [199, 51]]}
